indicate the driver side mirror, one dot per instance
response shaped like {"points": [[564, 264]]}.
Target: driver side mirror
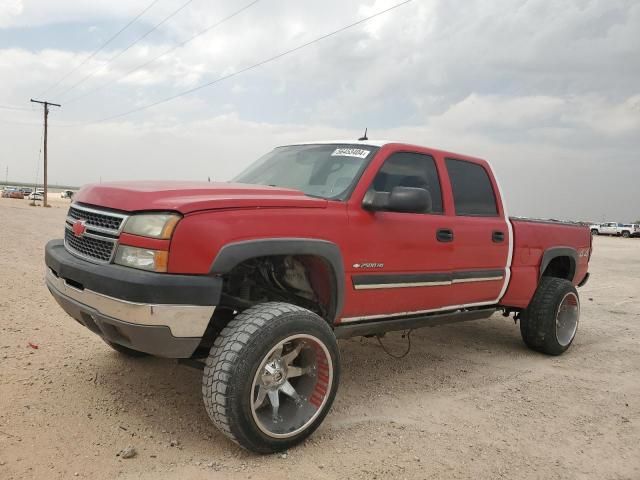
{"points": [[401, 199]]}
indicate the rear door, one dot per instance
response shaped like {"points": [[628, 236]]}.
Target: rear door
{"points": [[395, 263], [482, 235]]}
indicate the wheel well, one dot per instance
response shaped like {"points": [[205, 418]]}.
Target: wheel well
{"points": [[560, 267], [307, 281]]}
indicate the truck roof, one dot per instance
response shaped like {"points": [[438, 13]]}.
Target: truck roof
{"points": [[382, 143], [369, 143]]}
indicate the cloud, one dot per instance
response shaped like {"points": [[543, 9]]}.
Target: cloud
{"points": [[546, 90], [9, 10]]}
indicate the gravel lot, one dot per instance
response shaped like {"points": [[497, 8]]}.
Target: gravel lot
{"points": [[469, 401]]}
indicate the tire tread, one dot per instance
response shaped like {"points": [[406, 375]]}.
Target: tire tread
{"points": [[537, 322], [224, 358]]}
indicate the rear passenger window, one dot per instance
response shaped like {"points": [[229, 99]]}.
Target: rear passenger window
{"points": [[406, 169], [472, 190]]}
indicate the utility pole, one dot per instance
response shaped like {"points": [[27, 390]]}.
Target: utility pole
{"points": [[46, 115]]}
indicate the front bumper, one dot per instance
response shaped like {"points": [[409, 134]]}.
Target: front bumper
{"points": [[161, 314]]}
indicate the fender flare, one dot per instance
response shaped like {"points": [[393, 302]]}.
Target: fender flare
{"points": [[555, 252], [235, 253]]}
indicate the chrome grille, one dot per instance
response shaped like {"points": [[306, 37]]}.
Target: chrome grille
{"points": [[89, 247], [99, 240], [95, 218]]}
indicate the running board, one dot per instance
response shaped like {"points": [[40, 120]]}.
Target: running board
{"points": [[410, 323]]}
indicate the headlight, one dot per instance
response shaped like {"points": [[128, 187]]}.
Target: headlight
{"points": [[154, 225], [142, 258]]}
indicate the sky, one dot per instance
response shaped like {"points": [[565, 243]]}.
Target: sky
{"points": [[547, 91]]}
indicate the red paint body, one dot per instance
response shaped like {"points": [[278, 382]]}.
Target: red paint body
{"points": [[219, 214]]}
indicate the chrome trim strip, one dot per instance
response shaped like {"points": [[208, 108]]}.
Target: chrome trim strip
{"points": [[70, 221], [375, 286], [107, 213], [415, 312], [92, 235], [479, 279], [182, 320]]}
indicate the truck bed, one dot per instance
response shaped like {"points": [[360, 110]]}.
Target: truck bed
{"points": [[531, 239]]}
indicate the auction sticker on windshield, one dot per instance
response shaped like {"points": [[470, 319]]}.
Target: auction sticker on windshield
{"points": [[350, 152]]}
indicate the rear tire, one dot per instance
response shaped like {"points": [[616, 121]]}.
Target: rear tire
{"points": [[626, 234], [550, 322], [125, 350], [594, 232], [271, 376]]}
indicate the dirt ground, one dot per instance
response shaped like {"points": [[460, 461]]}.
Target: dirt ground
{"points": [[469, 401]]}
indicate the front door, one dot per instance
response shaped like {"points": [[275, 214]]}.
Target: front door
{"points": [[396, 265]]}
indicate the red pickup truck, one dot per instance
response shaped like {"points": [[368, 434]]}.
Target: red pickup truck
{"points": [[312, 243]]}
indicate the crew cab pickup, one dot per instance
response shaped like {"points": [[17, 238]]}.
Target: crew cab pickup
{"points": [[609, 228], [625, 230], [312, 243]]}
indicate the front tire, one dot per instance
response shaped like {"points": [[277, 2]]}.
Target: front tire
{"points": [[626, 234], [271, 376], [550, 322], [594, 232]]}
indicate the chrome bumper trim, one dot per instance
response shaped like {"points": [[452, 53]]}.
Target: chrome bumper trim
{"points": [[182, 320]]}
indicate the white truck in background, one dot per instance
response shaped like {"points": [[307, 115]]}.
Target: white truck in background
{"points": [[625, 230], [630, 230]]}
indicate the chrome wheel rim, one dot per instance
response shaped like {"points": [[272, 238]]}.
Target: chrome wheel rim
{"points": [[567, 319], [291, 386]]}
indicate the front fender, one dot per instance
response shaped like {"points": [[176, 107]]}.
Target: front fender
{"points": [[233, 254]]}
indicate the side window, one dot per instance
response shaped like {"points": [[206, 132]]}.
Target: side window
{"points": [[406, 169], [472, 190]]}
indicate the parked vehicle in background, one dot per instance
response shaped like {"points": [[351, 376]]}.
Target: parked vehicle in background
{"points": [[630, 230], [616, 229], [36, 196], [256, 280], [609, 228], [8, 191], [16, 194], [26, 191]]}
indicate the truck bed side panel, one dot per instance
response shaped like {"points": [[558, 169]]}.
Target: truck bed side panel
{"points": [[531, 239]]}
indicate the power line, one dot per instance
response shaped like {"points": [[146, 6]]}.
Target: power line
{"points": [[9, 107], [9, 122], [251, 67], [95, 52], [121, 52], [172, 49]]}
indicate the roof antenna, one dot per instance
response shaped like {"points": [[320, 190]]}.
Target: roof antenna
{"points": [[364, 137]]}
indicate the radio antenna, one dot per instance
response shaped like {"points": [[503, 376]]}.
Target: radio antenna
{"points": [[364, 137]]}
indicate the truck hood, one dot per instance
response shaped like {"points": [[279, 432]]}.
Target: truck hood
{"points": [[187, 197]]}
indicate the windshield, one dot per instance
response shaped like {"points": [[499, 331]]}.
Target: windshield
{"points": [[328, 171]]}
